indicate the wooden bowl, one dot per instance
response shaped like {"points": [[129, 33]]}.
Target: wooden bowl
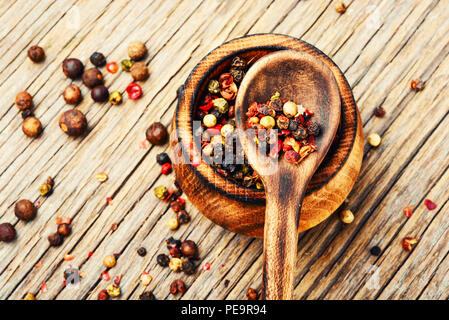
{"points": [[233, 206]]}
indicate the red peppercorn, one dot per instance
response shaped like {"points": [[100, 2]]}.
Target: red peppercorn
{"points": [[166, 168], [134, 91], [103, 295], [430, 204], [112, 67]]}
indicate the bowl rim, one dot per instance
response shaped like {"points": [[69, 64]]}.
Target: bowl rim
{"points": [[181, 92]]}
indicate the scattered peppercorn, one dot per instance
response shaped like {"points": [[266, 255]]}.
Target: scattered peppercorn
{"points": [[29, 296], [73, 122], [189, 248], [55, 239], [64, 229], [98, 59], [175, 252], [346, 216], [374, 140], [147, 295], [408, 211], [252, 294], [166, 168], [25, 210], [24, 100], [177, 286], [45, 189], [157, 133], [7, 232], [161, 192], [183, 217], [100, 93], [379, 112], [72, 94], [103, 295], [109, 261], [112, 67], [172, 223], [113, 290], [115, 97], [430, 205], [175, 264], [137, 50], [375, 251], [188, 267], [313, 129], [171, 242], [72, 68], [175, 206], [139, 71], [36, 54], [163, 260], [162, 158], [226, 283], [32, 127], [408, 243], [92, 77], [340, 7], [134, 91], [126, 64], [417, 85], [142, 251]]}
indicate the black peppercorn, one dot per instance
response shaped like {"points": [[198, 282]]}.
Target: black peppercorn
{"points": [[183, 217], [142, 251], [98, 59], [375, 251], [100, 93], [237, 75], [313, 129], [72, 68], [293, 125], [7, 232], [163, 158], [379, 112], [171, 242], [189, 249], [157, 134], [73, 122], [300, 133], [64, 229], [25, 210], [93, 77], [147, 295], [188, 267], [163, 260], [36, 54], [55, 239]]}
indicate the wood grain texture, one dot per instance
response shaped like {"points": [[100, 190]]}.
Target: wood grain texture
{"points": [[380, 45]]}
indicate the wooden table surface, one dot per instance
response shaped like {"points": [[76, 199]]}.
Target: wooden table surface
{"points": [[380, 45]]}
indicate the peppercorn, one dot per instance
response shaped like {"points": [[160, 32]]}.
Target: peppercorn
{"points": [[163, 260], [7, 232], [145, 279], [157, 134], [103, 295], [221, 105], [115, 97], [109, 261], [290, 109], [300, 133], [166, 168], [126, 64], [177, 286], [175, 206], [98, 59], [417, 85], [292, 125], [147, 295], [175, 252], [252, 294], [55, 239], [210, 120], [72, 68], [161, 192], [171, 242], [175, 264], [27, 113], [29, 296], [172, 223], [113, 290], [25, 210], [24, 100], [237, 74], [313, 129], [189, 248], [45, 189], [139, 71], [183, 217], [163, 158], [282, 122], [142, 251], [64, 229], [238, 63], [267, 122], [188, 267], [32, 127], [276, 105], [340, 7], [100, 93], [137, 50], [291, 156], [72, 94], [379, 112], [36, 54], [134, 91], [375, 251], [346, 216], [213, 87], [374, 139], [92, 77], [73, 122]]}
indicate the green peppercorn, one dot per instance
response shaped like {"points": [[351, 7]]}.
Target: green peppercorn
{"points": [[115, 97], [161, 192], [214, 87], [126, 65]]}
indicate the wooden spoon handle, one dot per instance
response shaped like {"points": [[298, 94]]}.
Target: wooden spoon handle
{"points": [[281, 238]]}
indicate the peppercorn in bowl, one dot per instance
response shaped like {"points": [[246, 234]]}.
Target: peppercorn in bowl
{"points": [[212, 169]]}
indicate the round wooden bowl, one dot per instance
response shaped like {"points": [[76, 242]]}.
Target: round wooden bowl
{"points": [[233, 206]]}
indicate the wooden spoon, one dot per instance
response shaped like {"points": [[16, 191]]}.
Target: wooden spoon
{"points": [[307, 81]]}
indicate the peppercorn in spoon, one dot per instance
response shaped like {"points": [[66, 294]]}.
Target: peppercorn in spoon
{"points": [[302, 78]]}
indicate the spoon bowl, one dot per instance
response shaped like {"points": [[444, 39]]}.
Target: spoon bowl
{"points": [[302, 78]]}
